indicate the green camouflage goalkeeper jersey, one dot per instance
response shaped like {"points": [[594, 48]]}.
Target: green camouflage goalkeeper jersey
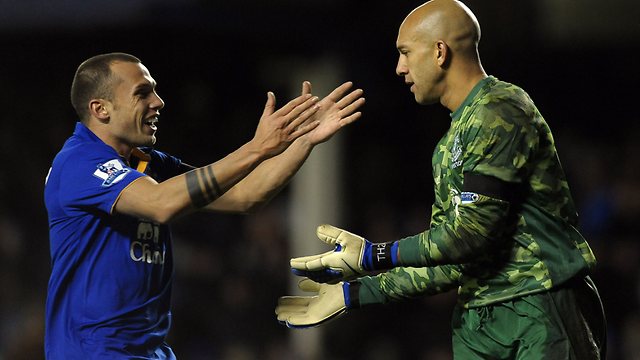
{"points": [[491, 249]]}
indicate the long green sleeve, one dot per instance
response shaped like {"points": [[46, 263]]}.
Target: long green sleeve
{"points": [[407, 282]]}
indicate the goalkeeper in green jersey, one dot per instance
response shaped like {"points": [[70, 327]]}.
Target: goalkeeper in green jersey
{"points": [[503, 225]]}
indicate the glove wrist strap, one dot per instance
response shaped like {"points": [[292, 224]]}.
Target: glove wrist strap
{"points": [[380, 256], [351, 292]]}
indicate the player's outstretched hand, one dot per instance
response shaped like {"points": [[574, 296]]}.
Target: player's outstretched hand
{"points": [[327, 303], [337, 110], [352, 257], [277, 129]]}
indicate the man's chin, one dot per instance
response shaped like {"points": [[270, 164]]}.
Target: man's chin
{"points": [[425, 101], [147, 141]]}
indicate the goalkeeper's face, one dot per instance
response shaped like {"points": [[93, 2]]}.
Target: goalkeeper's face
{"points": [[418, 63], [134, 111]]}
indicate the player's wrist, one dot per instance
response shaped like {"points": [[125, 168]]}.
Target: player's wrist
{"points": [[255, 151], [380, 256], [351, 292], [303, 143]]}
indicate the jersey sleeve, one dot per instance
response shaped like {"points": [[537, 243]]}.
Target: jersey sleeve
{"points": [[94, 183], [407, 282]]}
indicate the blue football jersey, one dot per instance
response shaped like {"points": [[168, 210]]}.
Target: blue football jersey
{"points": [[110, 286]]}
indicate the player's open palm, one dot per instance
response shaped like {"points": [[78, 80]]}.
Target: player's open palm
{"points": [[326, 303], [277, 129], [337, 109]]}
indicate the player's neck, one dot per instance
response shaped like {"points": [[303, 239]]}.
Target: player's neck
{"points": [[123, 149], [459, 85]]}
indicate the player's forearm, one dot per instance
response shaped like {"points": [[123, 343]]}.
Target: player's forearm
{"points": [[190, 191], [265, 181], [405, 283], [475, 229], [208, 183]]}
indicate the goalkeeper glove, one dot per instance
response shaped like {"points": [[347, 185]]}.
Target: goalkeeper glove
{"points": [[352, 257], [330, 302]]}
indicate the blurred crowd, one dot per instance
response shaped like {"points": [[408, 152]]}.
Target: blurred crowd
{"points": [[230, 269]]}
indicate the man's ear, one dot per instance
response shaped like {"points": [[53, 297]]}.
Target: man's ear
{"points": [[442, 54], [98, 109]]}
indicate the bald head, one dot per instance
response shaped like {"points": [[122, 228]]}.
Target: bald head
{"points": [[438, 46], [447, 20]]}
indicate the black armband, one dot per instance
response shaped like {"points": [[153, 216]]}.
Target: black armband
{"points": [[492, 187]]}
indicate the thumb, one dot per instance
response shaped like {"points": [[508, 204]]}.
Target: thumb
{"points": [[328, 233], [306, 87], [270, 104], [308, 285]]}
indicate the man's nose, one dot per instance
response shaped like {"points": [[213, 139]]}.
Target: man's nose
{"points": [[158, 103], [401, 68]]}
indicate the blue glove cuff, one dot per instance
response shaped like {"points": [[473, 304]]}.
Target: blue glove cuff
{"points": [[347, 296], [380, 256], [351, 292]]}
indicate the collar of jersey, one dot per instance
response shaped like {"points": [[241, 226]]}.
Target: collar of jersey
{"points": [[84, 134], [472, 94]]}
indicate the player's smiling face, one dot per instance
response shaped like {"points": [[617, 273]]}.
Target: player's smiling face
{"points": [[135, 107]]}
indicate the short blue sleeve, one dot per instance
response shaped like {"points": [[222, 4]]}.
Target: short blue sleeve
{"points": [[93, 181]]}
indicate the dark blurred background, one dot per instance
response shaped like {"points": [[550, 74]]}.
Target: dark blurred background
{"points": [[214, 61]]}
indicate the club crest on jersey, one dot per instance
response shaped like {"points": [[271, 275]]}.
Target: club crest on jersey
{"points": [[111, 172], [456, 151]]}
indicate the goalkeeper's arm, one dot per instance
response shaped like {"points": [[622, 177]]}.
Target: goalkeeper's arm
{"points": [[479, 222], [329, 301]]}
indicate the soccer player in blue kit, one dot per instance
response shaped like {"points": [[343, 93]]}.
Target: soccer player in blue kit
{"points": [[110, 196]]}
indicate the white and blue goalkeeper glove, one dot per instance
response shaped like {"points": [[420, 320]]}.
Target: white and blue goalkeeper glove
{"points": [[331, 301], [352, 257]]}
